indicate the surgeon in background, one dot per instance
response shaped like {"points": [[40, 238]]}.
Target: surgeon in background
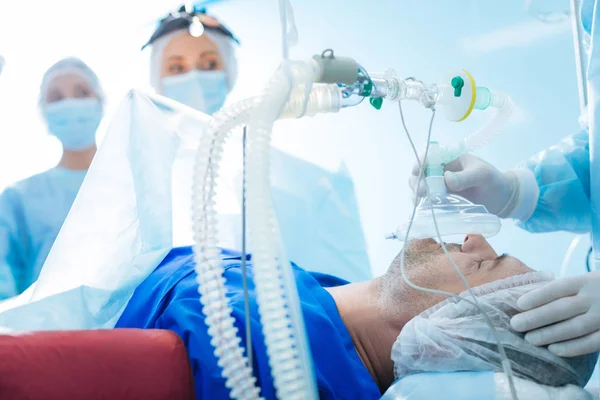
{"points": [[33, 210], [193, 62]]}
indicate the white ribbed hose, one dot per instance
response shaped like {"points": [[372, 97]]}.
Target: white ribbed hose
{"points": [[277, 296], [276, 291], [211, 283], [504, 109]]}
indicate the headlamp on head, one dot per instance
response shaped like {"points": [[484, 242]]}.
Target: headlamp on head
{"points": [[194, 19]]}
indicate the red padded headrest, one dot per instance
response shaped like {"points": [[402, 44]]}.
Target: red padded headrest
{"points": [[105, 364]]}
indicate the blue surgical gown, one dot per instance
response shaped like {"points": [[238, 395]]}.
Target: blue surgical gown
{"points": [[168, 299], [562, 173], [32, 212]]}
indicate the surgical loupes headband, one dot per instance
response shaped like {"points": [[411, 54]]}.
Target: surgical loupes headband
{"points": [[195, 20]]}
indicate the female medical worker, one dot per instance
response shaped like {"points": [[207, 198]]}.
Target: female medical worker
{"points": [[32, 211], [198, 71], [559, 189]]}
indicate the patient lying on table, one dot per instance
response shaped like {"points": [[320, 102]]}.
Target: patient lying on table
{"points": [[354, 328]]}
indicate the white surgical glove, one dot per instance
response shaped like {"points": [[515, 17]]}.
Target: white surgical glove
{"points": [[513, 193], [564, 314]]}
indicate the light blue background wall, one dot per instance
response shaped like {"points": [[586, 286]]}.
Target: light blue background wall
{"points": [[501, 44]]}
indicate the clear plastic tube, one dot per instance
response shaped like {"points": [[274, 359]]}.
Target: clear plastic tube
{"points": [[322, 99], [393, 88], [485, 99], [504, 109], [277, 294]]}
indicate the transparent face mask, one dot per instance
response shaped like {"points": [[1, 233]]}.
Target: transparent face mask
{"points": [[454, 215]]}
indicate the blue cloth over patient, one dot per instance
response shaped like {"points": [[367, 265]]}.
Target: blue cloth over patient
{"points": [[169, 299], [31, 214]]}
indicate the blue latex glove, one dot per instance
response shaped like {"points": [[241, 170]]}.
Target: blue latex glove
{"points": [[452, 385]]}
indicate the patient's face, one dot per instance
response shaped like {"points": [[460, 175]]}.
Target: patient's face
{"points": [[427, 266]]}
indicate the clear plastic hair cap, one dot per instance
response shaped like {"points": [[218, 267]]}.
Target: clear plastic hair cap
{"points": [[454, 215]]}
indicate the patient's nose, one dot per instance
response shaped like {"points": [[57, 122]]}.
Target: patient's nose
{"points": [[476, 244]]}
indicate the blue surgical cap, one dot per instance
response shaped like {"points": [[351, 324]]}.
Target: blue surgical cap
{"points": [[66, 66]]}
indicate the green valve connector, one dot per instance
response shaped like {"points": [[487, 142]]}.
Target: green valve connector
{"points": [[376, 102], [434, 166], [437, 170], [367, 89], [457, 83]]}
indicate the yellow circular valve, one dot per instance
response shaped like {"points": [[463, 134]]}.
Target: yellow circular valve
{"points": [[473, 95]]}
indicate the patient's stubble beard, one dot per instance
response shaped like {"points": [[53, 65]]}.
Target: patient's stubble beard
{"points": [[420, 269]]}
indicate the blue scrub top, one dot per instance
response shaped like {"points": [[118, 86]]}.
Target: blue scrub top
{"points": [[169, 299], [32, 212]]}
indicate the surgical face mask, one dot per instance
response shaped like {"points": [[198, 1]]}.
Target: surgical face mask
{"points": [[204, 91], [74, 121]]}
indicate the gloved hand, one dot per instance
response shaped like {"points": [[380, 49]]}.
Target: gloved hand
{"points": [[479, 182], [564, 314]]}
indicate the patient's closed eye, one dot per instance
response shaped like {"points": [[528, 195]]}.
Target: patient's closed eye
{"points": [[492, 263], [495, 262]]}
